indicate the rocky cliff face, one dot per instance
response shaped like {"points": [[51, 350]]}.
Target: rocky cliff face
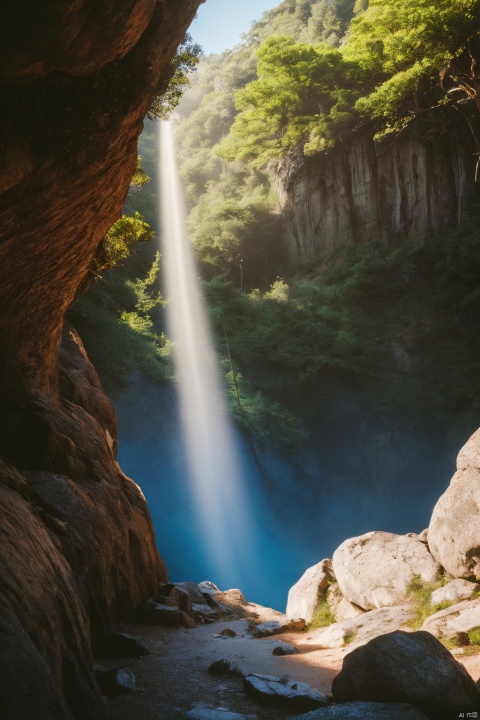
{"points": [[411, 188], [77, 548]]}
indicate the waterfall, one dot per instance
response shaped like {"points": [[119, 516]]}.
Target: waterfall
{"points": [[218, 490]]}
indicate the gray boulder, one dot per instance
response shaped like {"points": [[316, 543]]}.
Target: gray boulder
{"points": [[374, 570], [275, 627], [303, 596], [283, 691], [365, 711], [413, 668], [454, 531], [455, 621], [454, 591], [362, 629]]}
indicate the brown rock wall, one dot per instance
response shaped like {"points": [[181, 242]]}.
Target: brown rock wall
{"points": [[77, 548]]}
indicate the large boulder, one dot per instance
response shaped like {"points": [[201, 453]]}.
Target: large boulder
{"points": [[456, 621], [374, 570], [362, 629], [454, 531], [412, 668], [303, 596]]}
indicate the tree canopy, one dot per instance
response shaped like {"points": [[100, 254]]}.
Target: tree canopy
{"points": [[397, 61]]}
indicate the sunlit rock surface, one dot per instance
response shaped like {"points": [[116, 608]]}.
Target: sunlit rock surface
{"points": [[410, 188], [361, 629], [454, 531], [456, 621], [303, 596], [77, 546], [374, 570]]}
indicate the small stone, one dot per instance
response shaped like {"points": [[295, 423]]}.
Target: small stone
{"points": [[208, 587], [120, 644], [117, 681], [155, 614], [284, 692], [224, 667], [228, 632], [284, 649]]}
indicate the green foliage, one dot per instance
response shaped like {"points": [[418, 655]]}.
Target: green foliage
{"points": [[235, 231], [187, 57], [405, 47], [420, 594], [118, 242], [322, 616], [302, 91], [140, 177], [349, 637], [120, 324], [474, 636]]}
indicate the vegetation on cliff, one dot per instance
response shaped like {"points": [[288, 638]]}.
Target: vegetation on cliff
{"points": [[397, 322]]}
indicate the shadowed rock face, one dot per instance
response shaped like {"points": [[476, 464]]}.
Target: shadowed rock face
{"points": [[408, 189], [77, 548], [76, 82]]}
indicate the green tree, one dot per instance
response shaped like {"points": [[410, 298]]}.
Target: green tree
{"points": [[303, 94], [118, 242], [186, 59], [415, 54]]}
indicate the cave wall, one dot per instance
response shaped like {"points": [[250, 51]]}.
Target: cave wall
{"points": [[77, 547], [412, 187]]}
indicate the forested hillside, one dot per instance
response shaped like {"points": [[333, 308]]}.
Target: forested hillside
{"points": [[396, 322]]}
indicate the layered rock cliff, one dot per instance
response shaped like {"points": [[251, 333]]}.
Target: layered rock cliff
{"points": [[77, 548], [413, 187]]}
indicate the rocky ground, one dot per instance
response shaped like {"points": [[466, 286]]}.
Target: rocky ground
{"points": [[173, 681]]}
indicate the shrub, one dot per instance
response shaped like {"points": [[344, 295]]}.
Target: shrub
{"points": [[474, 636], [322, 616], [420, 594]]}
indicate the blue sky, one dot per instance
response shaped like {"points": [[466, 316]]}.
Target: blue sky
{"points": [[220, 23]]}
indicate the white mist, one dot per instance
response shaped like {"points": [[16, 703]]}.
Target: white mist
{"points": [[217, 488]]}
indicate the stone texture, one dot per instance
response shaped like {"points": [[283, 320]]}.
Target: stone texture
{"points": [[275, 627], [412, 668], [409, 188], [303, 596], [362, 629], [224, 667], [287, 693], [454, 531], [374, 570], [340, 607], [365, 711], [455, 621], [454, 591], [78, 549]]}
